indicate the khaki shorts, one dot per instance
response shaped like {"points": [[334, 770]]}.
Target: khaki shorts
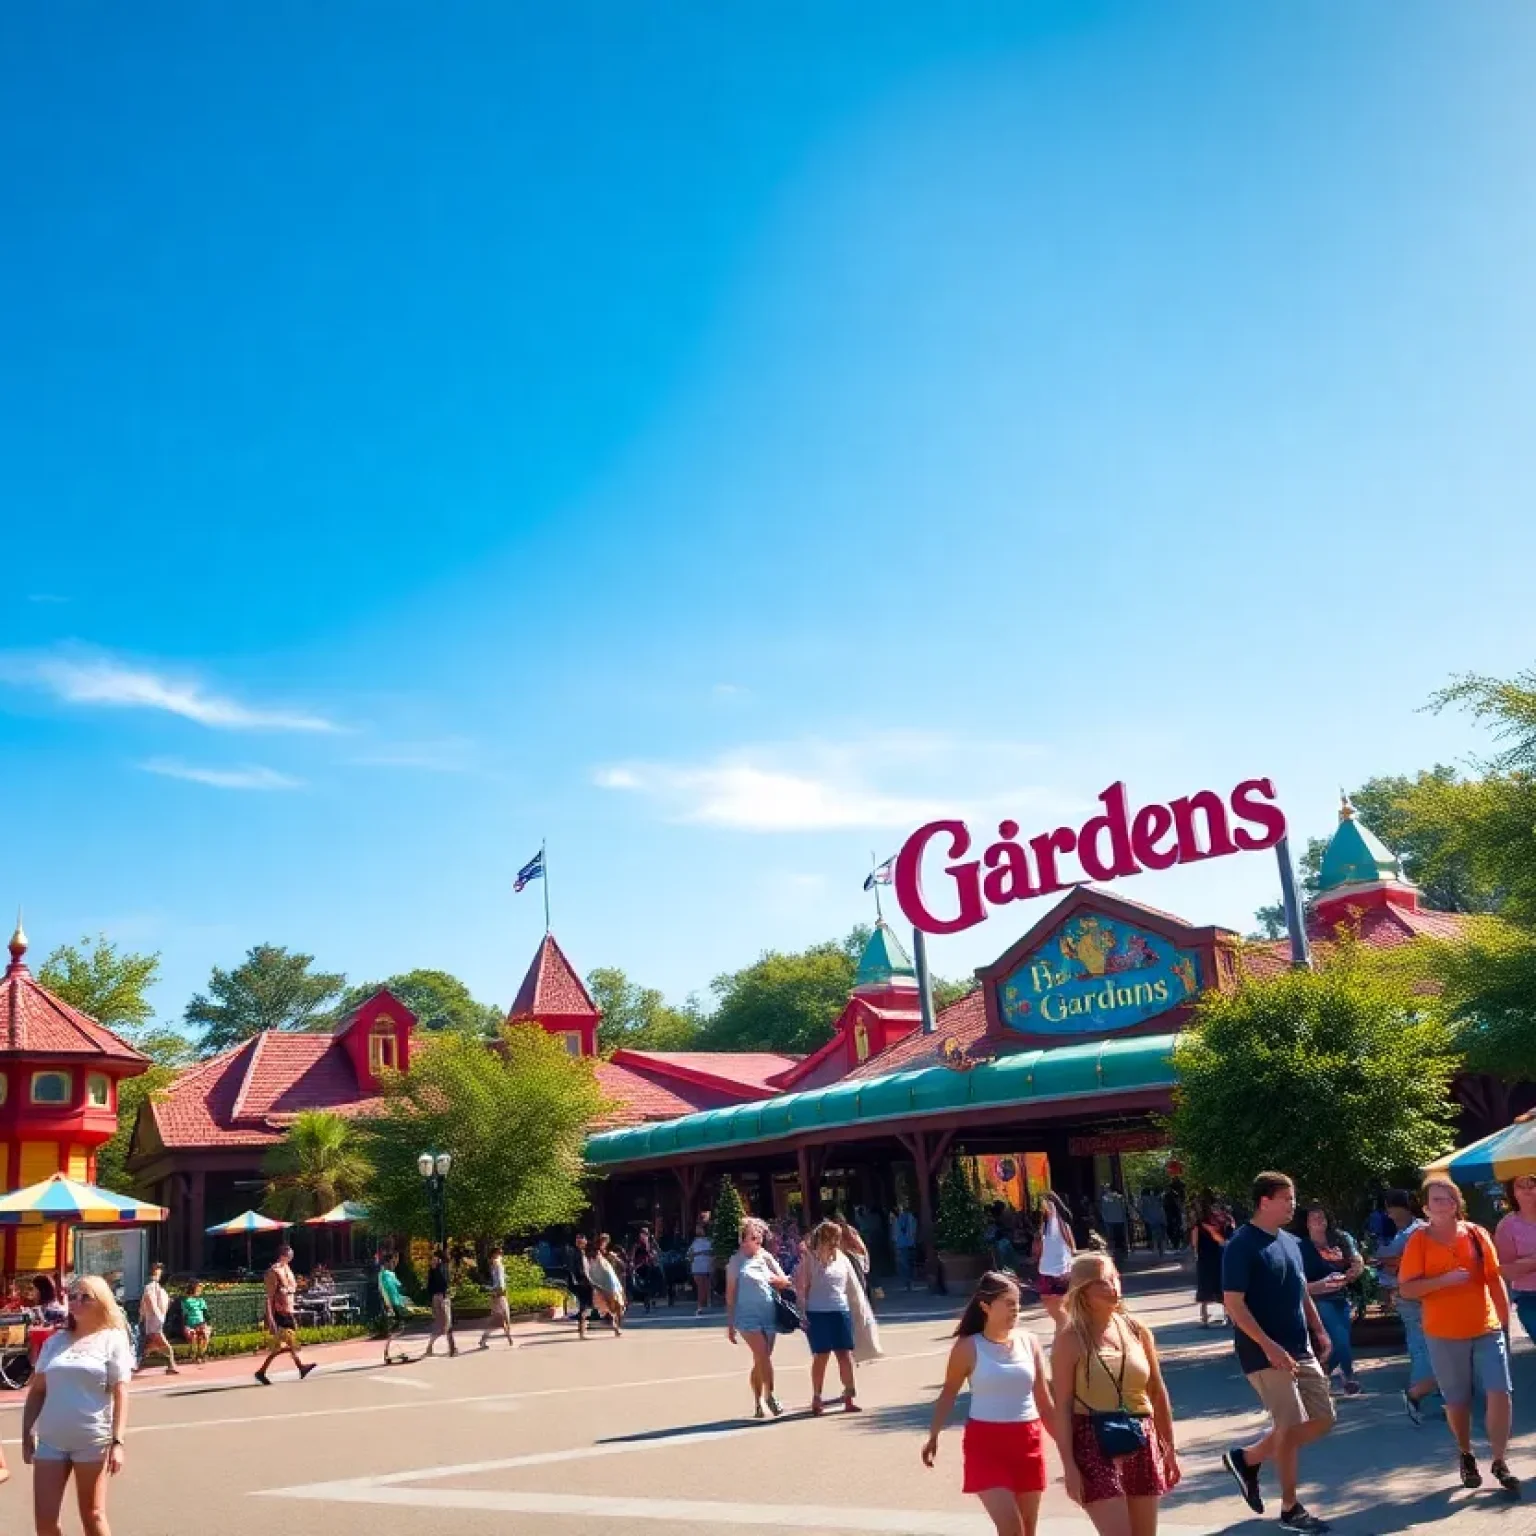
{"points": [[1294, 1400]]}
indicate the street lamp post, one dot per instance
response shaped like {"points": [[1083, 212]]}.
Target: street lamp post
{"points": [[433, 1167]]}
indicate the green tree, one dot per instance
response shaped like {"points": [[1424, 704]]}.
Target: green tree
{"points": [[638, 1016], [317, 1165], [169, 1051], [106, 983], [515, 1119], [784, 1002], [946, 991], [725, 1221], [272, 988], [439, 1000], [1349, 1068], [959, 1222]]}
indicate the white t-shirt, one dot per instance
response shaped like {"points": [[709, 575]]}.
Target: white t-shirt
{"points": [[154, 1307], [826, 1287], [498, 1274], [701, 1256], [1055, 1252], [80, 1371]]}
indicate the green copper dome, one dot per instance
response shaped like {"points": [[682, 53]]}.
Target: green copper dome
{"points": [[1355, 855], [883, 959]]}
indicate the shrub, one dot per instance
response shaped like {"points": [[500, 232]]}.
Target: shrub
{"points": [[725, 1231], [960, 1225], [222, 1344]]}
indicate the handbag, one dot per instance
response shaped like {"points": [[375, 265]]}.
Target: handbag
{"points": [[1119, 1432], [787, 1317]]}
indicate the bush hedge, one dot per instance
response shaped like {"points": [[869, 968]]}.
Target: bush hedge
{"points": [[222, 1344]]}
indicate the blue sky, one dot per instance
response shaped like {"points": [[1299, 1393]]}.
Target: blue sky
{"points": [[715, 438]]}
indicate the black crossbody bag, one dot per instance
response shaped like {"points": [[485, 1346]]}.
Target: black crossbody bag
{"points": [[1119, 1432]]}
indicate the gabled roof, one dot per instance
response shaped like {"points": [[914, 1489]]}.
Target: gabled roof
{"points": [[750, 1073], [964, 1022], [637, 1098], [552, 989], [1356, 856], [33, 1022]]}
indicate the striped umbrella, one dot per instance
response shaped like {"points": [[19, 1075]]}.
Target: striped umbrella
{"points": [[247, 1224], [62, 1202], [341, 1215], [1505, 1155]]}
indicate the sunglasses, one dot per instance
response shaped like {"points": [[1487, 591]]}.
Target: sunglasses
{"points": [[81, 1298]]}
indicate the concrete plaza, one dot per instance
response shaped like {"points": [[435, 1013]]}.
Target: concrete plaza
{"points": [[565, 1438]]}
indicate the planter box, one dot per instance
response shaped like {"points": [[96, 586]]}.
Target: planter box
{"points": [[961, 1271]]}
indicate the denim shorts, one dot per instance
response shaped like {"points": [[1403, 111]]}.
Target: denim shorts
{"points": [[1420, 1367], [1460, 1363], [91, 1458]]}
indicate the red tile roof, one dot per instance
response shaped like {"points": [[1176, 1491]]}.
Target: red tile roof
{"points": [[637, 1097], [747, 1069], [551, 989], [33, 1022], [964, 1021], [1380, 926]]}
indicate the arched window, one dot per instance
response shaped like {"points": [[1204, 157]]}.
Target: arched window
{"points": [[50, 1087], [383, 1047], [98, 1090]]}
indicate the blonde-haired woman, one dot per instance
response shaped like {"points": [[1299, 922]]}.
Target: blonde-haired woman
{"points": [[1114, 1422], [824, 1279], [1452, 1268], [751, 1278], [77, 1409]]}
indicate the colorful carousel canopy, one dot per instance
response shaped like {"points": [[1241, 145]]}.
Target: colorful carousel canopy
{"points": [[345, 1214], [245, 1224], [61, 1201], [1505, 1155]]}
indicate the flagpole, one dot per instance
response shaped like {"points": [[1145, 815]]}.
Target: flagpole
{"points": [[544, 861], [874, 875]]}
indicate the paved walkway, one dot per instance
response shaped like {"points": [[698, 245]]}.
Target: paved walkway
{"points": [[563, 1438]]}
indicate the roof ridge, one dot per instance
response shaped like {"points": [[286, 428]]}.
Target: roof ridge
{"points": [[238, 1111]]}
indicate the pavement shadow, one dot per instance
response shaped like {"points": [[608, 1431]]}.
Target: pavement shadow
{"points": [[715, 1426]]}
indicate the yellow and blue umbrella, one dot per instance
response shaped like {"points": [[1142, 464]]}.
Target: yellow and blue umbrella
{"points": [[246, 1225], [61, 1201], [1507, 1154]]}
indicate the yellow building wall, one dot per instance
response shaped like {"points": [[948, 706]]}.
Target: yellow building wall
{"points": [[37, 1247], [39, 1161], [79, 1162]]}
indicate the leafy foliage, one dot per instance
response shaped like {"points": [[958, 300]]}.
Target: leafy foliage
{"points": [[725, 1222], [104, 982], [254, 1342], [946, 991], [784, 1002], [316, 1166], [515, 1119], [639, 1017], [960, 1225], [439, 1001], [272, 988], [1339, 1076]]}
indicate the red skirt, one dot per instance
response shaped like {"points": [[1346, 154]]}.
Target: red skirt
{"points": [[1148, 1474], [1010, 1456]]}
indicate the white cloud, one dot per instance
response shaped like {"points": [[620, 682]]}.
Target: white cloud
{"points": [[451, 754], [895, 780], [251, 777], [111, 683]]}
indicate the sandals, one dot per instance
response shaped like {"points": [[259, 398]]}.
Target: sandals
{"points": [[1470, 1476]]}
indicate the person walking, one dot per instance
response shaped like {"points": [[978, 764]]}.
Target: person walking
{"points": [[1113, 1213], [1212, 1231], [1002, 1451], [1150, 1208], [1054, 1250], [701, 1266], [154, 1309], [1331, 1262], [394, 1308], [500, 1316], [1114, 1419], [1421, 1371], [282, 1288], [1173, 1217], [645, 1278], [581, 1283], [607, 1288], [852, 1243], [1452, 1267], [440, 1299], [194, 1318], [751, 1278], [1276, 1323], [823, 1280], [1515, 1239], [76, 1413], [904, 1241]]}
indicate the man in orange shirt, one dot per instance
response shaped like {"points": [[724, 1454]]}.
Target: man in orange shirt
{"points": [[1452, 1268]]}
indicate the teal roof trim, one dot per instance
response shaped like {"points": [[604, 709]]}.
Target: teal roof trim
{"points": [[1069, 1071], [1355, 856], [882, 959]]}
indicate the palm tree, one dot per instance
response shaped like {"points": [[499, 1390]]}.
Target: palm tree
{"points": [[317, 1166]]}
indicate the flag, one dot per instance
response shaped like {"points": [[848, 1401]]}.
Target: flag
{"points": [[882, 875], [532, 870]]}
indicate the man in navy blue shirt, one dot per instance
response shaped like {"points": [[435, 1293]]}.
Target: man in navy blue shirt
{"points": [[1276, 1326]]}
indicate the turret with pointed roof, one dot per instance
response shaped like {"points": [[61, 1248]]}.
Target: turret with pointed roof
{"points": [[1360, 871], [554, 997]]}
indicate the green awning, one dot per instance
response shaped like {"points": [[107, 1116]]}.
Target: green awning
{"points": [[1100, 1068]]}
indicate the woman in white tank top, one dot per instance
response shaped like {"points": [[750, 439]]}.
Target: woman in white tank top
{"points": [[1054, 1251], [1011, 1407]]}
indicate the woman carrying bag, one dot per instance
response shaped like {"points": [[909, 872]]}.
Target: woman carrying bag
{"points": [[827, 1285]]}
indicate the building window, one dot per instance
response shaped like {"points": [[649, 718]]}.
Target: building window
{"points": [[573, 1041], [383, 1048], [98, 1090], [50, 1087]]}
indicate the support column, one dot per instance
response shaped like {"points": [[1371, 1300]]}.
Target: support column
{"points": [[689, 1178], [196, 1242]]}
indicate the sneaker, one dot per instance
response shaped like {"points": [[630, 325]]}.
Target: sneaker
{"points": [[263, 1378], [1297, 1519], [1353, 1389], [775, 1407], [305, 1369], [1247, 1478], [1411, 1408], [757, 1412], [1470, 1476], [1505, 1478]]}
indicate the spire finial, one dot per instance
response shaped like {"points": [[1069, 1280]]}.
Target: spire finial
{"points": [[18, 940], [1346, 806]]}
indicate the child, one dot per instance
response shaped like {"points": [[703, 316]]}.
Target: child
{"points": [[194, 1317]]}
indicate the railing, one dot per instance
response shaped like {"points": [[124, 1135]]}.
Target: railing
{"points": [[245, 1310]]}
